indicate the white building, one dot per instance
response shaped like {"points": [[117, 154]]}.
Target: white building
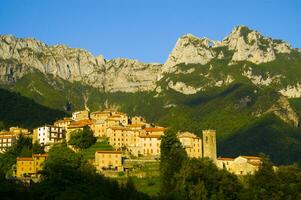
{"points": [[49, 134]]}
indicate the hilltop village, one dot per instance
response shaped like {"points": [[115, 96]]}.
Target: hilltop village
{"points": [[132, 140]]}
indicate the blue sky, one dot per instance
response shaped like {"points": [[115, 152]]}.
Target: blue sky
{"points": [[145, 29]]}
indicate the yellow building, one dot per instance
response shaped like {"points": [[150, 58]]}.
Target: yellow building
{"points": [[155, 130], [30, 166], [191, 143], [100, 115], [19, 131], [108, 160], [138, 120], [119, 136], [99, 128]]}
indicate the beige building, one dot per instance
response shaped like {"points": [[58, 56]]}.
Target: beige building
{"points": [[120, 136], [7, 139], [30, 166], [149, 145], [224, 163], [155, 130], [243, 165], [80, 115], [108, 160], [64, 123], [100, 115], [99, 128], [191, 143], [138, 120]]}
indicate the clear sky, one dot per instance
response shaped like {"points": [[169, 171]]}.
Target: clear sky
{"points": [[145, 29]]}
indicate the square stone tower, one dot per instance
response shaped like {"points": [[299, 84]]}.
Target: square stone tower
{"points": [[209, 144]]}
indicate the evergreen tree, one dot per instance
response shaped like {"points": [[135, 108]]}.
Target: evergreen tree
{"points": [[172, 158]]}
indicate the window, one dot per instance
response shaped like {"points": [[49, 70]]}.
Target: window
{"points": [[206, 139]]}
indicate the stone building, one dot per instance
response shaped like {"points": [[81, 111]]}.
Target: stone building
{"points": [[209, 144], [19, 131], [224, 163], [108, 160], [149, 145], [191, 143], [80, 115], [243, 165], [99, 128], [7, 139], [64, 123]]}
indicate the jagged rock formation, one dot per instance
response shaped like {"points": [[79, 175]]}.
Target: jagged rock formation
{"points": [[130, 75], [20, 56], [249, 45], [189, 49], [243, 43], [292, 91]]}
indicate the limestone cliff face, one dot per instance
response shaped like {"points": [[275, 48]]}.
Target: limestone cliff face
{"points": [[130, 75], [245, 45], [189, 49], [20, 56], [250, 45]]}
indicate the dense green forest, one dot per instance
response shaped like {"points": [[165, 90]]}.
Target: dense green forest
{"points": [[17, 110]]}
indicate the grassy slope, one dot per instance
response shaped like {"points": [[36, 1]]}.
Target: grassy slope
{"points": [[89, 153]]}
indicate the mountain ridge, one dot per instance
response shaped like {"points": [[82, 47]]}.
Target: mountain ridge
{"points": [[203, 84]]}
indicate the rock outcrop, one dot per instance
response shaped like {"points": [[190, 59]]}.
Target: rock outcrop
{"points": [[243, 43], [284, 111], [250, 45], [189, 49], [20, 56]]}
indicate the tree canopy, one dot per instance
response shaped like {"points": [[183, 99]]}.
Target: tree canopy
{"points": [[82, 139]]}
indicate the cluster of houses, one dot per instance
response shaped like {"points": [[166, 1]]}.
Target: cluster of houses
{"points": [[129, 136]]}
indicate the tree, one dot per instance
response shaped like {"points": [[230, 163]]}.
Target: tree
{"points": [[82, 139], [2, 126], [201, 179], [265, 184], [172, 158], [37, 148], [22, 147], [67, 175]]}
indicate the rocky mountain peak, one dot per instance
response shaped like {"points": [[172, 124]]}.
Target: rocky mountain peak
{"points": [[190, 49], [250, 45]]}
